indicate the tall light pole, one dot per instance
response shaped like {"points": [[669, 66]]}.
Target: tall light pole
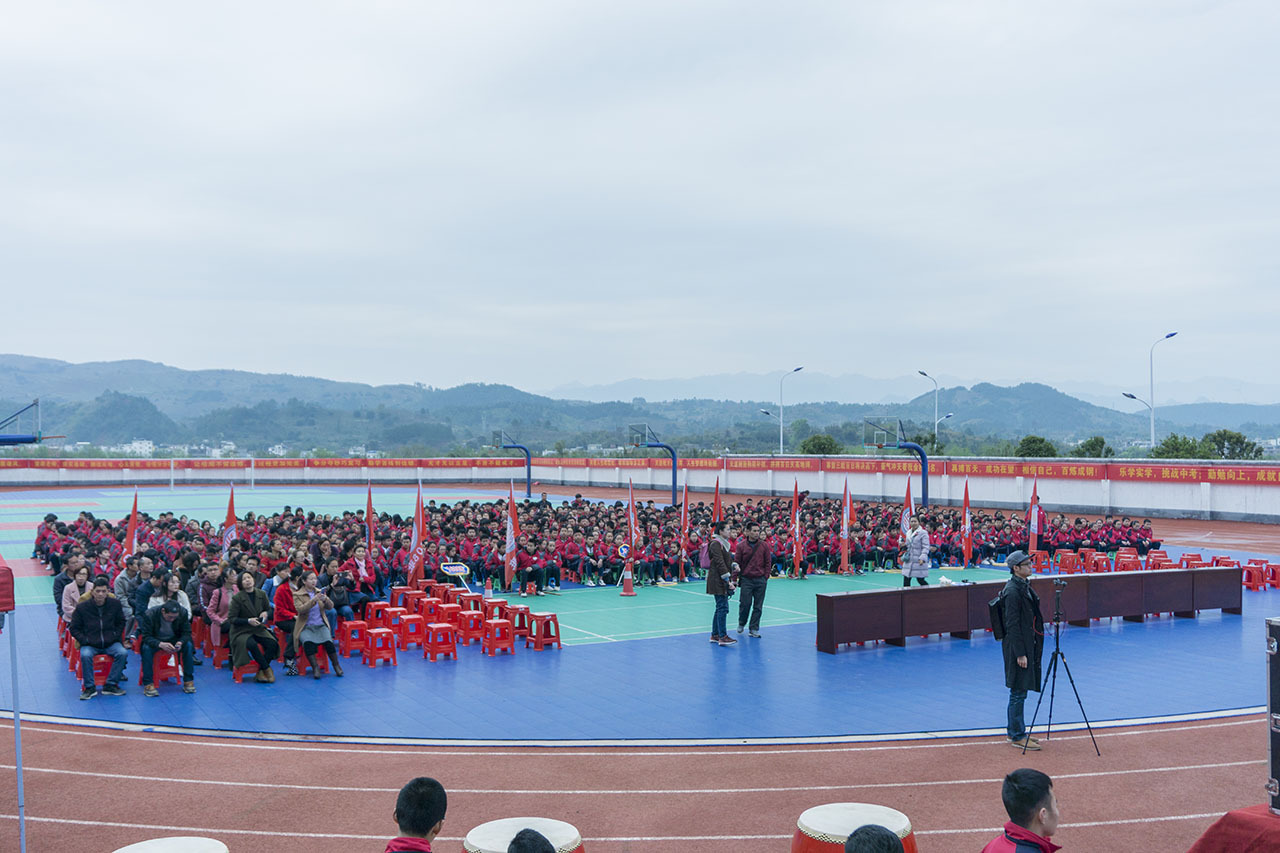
{"points": [[936, 419], [1151, 376], [935, 429], [780, 413], [1142, 401]]}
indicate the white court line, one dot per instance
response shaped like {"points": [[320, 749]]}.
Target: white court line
{"points": [[624, 792], [574, 749], [585, 631], [595, 840], [809, 617]]}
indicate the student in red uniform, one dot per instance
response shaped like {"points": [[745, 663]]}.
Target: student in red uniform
{"points": [[419, 814], [1033, 814]]}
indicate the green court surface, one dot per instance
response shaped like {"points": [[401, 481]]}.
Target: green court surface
{"points": [[596, 615]]}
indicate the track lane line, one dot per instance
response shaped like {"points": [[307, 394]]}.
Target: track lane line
{"points": [[654, 749], [628, 792]]}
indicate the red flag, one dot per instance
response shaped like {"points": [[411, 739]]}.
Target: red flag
{"points": [[798, 556], [966, 526], [369, 522], [716, 513], [229, 526], [131, 533], [1033, 515], [846, 528], [684, 527], [418, 546], [908, 510], [513, 533], [632, 521]]}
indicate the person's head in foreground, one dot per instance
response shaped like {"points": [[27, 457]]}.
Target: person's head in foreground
{"points": [[530, 841], [1029, 800], [420, 808], [873, 838]]}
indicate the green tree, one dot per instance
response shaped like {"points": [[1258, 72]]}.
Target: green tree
{"points": [[821, 444], [1094, 448], [800, 429], [926, 440], [1229, 444], [1035, 446], [559, 448], [1177, 446]]}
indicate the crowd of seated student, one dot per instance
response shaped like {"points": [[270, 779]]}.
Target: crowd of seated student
{"points": [[180, 559]]}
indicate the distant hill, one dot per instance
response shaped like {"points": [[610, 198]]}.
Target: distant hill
{"points": [[113, 402]]}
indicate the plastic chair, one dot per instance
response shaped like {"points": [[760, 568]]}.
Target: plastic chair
{"points": [[470, 626], [413, 629], [1255, 578], [164, 665], [449, 613], [471, 600], [380, 644], [495, 608], [541, 633], [411, 598], [497, 637], [238, 673], [397, 595], [1187, 559], [1040, 561], [391, 619], [322, 662], [428, 608], [519, 616], [374, 614], [351, 636], [1068, 562], [442, 641]]}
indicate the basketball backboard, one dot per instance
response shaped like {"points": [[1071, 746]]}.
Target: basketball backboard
{"points": [[879, 433]]}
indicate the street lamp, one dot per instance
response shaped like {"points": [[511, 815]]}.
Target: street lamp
{"points": [[936, 419], [1148, 405], [1151, 376], [935, 429], [784, 376]]}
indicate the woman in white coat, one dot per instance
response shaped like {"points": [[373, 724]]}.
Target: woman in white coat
{"points": [[915, 557]]}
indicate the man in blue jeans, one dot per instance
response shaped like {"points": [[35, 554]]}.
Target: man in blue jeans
{"points": [[720, 582], [98, 625], [1023, 645]]}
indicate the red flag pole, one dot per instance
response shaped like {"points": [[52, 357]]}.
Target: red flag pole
{"points": [[1034, 514], [797, 546], [684, 527], [131, 533], [845, 530], [967, 527], [716, 512]]}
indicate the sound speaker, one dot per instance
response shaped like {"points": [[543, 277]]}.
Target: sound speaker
{"points": [[1273, 713]]}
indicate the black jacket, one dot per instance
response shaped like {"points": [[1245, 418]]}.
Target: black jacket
{"points": [[149, 626], [96, 626], [1023, 635]]}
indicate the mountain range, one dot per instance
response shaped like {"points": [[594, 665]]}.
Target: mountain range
{"points": [[114, 402]]}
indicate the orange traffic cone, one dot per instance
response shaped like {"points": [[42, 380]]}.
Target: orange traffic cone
{"points": [[627, 588], [488, 587]]}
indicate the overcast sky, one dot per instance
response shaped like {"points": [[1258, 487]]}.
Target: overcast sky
{"points": [[545, 192]]}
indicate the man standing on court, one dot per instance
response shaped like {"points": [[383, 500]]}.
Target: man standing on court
{"points": [[1023, 645], [754, 560]]}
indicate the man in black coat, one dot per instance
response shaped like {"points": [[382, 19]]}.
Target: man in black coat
{"points": [[166, 629], [97, 625], [1023, 645]]}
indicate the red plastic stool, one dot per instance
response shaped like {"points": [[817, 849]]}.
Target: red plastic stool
{"points": [[391, 619], [322, 661], [102, 669], [519, 616], [413, 629], [497, 636], [238, 673], [282, 642], [1255, 578], [410, 598], [495, 608], [424, 584], [541, 634], [397, 595], [380, 644], [374, 614], [428, 608], [471, 600], [351, 636], [221, 655], [442, 640], [449, 593], [162, 670], [470, 626], [449, 613], [1068, 562]]}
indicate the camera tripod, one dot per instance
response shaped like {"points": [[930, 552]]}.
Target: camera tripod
{"points": [[1051, 675]]}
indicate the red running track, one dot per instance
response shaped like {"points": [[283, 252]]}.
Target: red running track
{"points": [[1154, 788]]}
